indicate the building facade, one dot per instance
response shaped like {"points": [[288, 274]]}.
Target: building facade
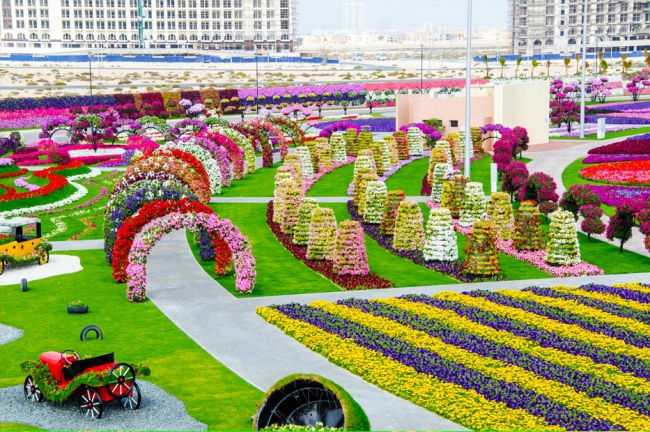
{"points": [[354, 16], [243, 25], [556, 26]]}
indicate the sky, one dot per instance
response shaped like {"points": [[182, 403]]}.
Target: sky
{"points": [[402, 14]]}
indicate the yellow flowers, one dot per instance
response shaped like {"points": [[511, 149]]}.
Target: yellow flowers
{"points": [[608, 298]]}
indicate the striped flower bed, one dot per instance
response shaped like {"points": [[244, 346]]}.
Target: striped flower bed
{"points": [[542, 358]]}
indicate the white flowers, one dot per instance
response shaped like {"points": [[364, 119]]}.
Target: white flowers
{"points": [[100, 152], [376, 194], [438, 175], [441, 243], [414, 137], [305, 158], [563, 247], [80, 193], [474, 205]]}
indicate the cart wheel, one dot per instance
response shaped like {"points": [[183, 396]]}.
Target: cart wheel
{"points": [[45, 258], [2, 267], [32, 392], [90, 403], [121, 379], [132, 401]]}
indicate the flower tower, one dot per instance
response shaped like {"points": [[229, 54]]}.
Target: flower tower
{"points": [[305, 212], [402, 145], [441, 243], [438, 175], [376, 154], [437, 157], [414, 138], [363, 186], [337, 146], [481, 257], [313, 151], [289, 217], [365, 160], [409, 229], [563, 247], [461, 145], [293, 160], [499, 212], [474, 206], [393, 200], [385, 154], [392, 149], [376, 194], [285, 172], [350, 257], [453, 194], [445, 147], [322, 234], [305, 159], [528, 233], [280, 198], [351, 145], [324, 154], [356, 183], [365, 138]]}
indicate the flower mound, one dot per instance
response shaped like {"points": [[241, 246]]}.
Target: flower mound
{"points": [[441, 243], [350, 257], [563, 247], [635, 173]]}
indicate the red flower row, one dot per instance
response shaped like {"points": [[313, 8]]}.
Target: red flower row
{"points": [[56, 182], [14, 174], [132, 225], [347, 282]]}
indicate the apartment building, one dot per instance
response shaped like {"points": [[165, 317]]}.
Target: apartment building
{"points": [[556, 26], [243, 25]]}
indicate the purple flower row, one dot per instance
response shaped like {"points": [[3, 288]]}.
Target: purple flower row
{"points": [[627, 294], [614, 309], [22, 182], [542, 337], [619, 120], [564, 316], [612, 195], [376, 124], [453, 269], [605, 158], [432, 364], [581, 382]]}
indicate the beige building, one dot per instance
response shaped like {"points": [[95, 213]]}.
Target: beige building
{"points": [[43, 26], [555, 26]]}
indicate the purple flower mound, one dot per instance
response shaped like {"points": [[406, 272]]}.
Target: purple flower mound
{"points": [[628, 147], [627, 294], [598, 158], [614, 309], [618, 195], [376, 124], [561, 315], [430, 363], [619, 120], [339, 126], [429, 131], [645, 136], [581, 382], [453, 269], [536, 334]]}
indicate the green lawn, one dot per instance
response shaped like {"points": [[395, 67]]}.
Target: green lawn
{"points": [[9, 169], [409, 177], [135, 332], [480, 172], [18, 427], [333, 184], [55, 196], [571, 177], [608, 135], [258, 184]]}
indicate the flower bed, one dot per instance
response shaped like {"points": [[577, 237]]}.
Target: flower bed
{"points": [[624, 173], [488, 361], [639, 145], [606, 158], [618, 195], [56, 182], [590, 129], [324, 267], [80, 193], [376, 124]]}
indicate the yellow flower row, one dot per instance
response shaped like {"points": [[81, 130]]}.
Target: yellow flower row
{"points": [[609, 298], [566, 330], [465, 407], [577, 308], [583, 364], [561, 393], [634, 286]]}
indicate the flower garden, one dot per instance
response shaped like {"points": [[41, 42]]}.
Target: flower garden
{"points": [[271, 208]]}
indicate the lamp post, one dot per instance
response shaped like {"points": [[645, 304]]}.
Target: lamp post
{"points": [[585, 17], [90, 68], [257, 86], [421, 68], [468, 90]]}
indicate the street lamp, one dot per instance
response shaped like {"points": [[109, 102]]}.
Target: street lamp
{"points": [[468, 90], [585, 17], [421, 68], [90, 68]]}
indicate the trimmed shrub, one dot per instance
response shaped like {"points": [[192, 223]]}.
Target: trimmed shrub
{"points": [[324, 154], [280, 198], [453, 194], [409, 229], [360, 193], [437, 157], [392, 149], [441, 243], [528, 233], [376, 155], [592, 223], [294, 161], [289, 217], [474, 205], [305, 212], [376, 194], [563, 247], [446, 148], [322, 234], [364, 140], [350, 257], [481, 257], [402, 145], [351, 146]]}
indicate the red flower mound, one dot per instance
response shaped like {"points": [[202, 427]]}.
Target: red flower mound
{"points": [[223, 257], [635, 147], [132, 225], [635, 173], [56, 183], [348, 282], [235, 154]]}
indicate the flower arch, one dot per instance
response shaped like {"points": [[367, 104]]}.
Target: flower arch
{"points": [[178, 163], [235, 153], [243, 143], [290, 128], [262, 132], [131, 199], [241, 250], [202, 155]]}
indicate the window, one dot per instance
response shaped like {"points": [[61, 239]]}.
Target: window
{"points": [[623, 18], [257, 25], [122, 25], [284, 25], [228, 37], [216, 15], [171, 37], [205, 25], [237, 3], [205, 37], [285, 37], [239, 37], [227, 15], [216, 37], [600, 8], [33, 24], [258, 37], [611, 18], [193, 25], [171, 14], [44, 13], [193, 37], [227, 4], [101, 37], [31, 13], [550, 21], [284, 14], [257, 3], [192, 14], [33, 36], [160, 25], [238, 14], [171, 3], [573, 20], [269, 3], [216, 3], [270, 14], [182, 26], [227, 26], [239, 25], [65, 24], [66, 36], [89, 25], [550, 10], [182, 37], [600, 19], [205, 14], [204, 4], [182, 15], [623, 7], [257, 14], [636, 17], [216, 25], [171, 26], [123, 37]]}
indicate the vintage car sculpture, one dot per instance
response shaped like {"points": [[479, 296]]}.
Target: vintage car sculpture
{"points": [[57, 376], [21, 242]]}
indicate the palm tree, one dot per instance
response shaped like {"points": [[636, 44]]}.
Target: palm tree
{"points": [[601, 57], [487, 66], [518, 62], [624, 63], [603, 66], [502, 62], [567, 62], [548, 67], [534, 64], [577, 63], [628, 65]]}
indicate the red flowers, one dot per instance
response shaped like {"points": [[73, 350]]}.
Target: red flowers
{"points": [[56, 182]]}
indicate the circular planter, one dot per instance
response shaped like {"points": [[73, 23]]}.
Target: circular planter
{"points": [[77, 309]]}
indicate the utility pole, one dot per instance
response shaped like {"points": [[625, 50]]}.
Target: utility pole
{"points": [[585, 17], [90, 68], [468, 91], [421, 68]]}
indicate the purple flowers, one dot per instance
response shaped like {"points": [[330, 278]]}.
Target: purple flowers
{"points": [[618, 195], [376, 125]]}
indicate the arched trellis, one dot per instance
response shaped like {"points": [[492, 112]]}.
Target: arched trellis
{"points": [[272, 131], [290, 128], [242, 253], [235, 153], [130, 199], [263, 131], [202, 155], [242, 142], [219, 154]]}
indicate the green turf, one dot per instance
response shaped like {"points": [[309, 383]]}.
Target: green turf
{"points": [[480, 172], [409, 177], [258, 184], [608, 135], [9, 169], [606, 256], [135, 332], [571, 177], [73, 171], [55, 196], [18, 427], [333, 184]]}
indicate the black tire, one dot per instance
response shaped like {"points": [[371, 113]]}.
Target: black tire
{"points": [[90, 403], [132, 401], [32, 392], [121, 379], [90, 328]]}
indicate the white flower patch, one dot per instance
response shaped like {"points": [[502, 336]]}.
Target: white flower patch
{"points": [[376, 194], [563, 247], [99, 152], [94, 172], [305, 159], [441, 243], [80, 193], [474, 205], [414, 137]]}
